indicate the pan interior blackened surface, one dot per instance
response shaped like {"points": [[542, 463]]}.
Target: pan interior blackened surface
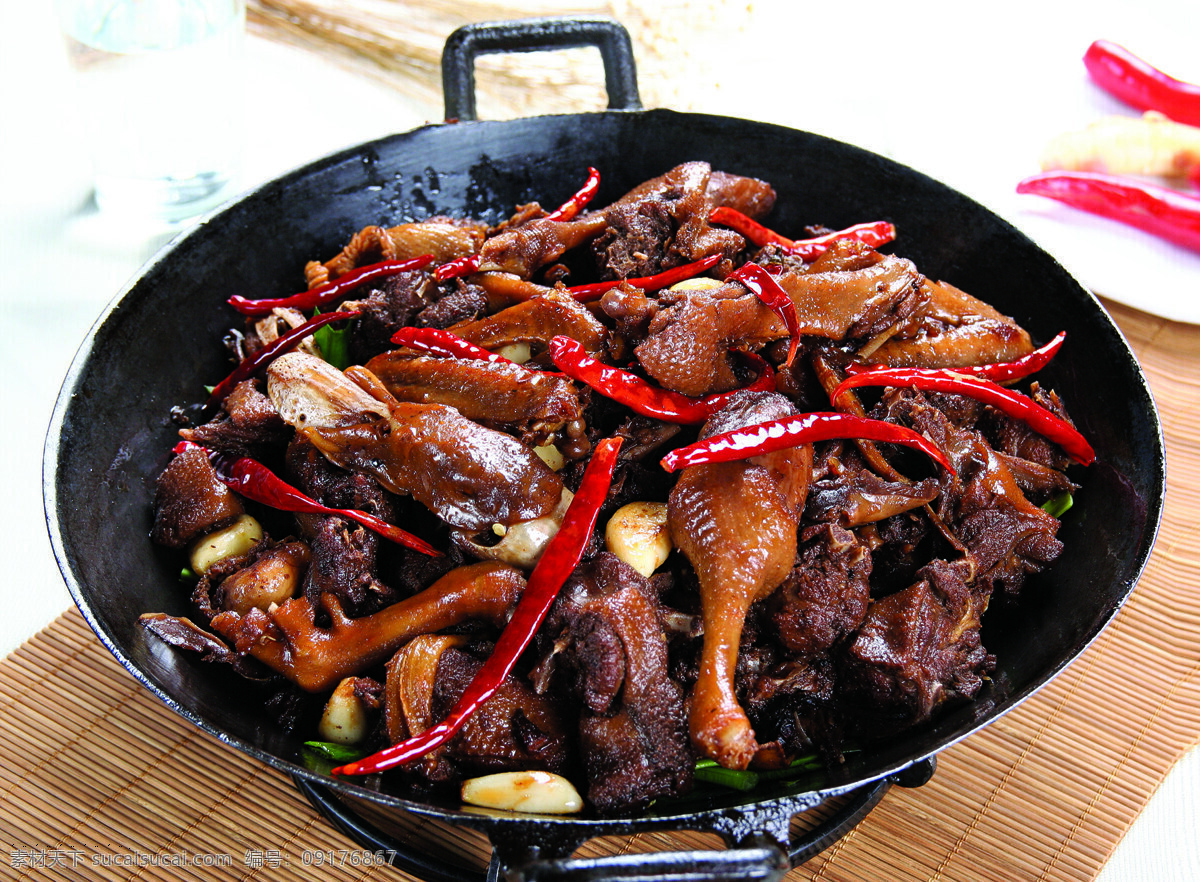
{"points": [[111, 433]]}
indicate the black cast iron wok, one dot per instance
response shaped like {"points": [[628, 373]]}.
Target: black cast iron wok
{"points": [[110, 434]]}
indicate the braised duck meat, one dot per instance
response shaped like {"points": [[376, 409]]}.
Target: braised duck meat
{"points": [[469, 476], [1008, 537], [247, 421], [689, 337], [824, 598], [534, 323], [953, 329], [736, 523], [496, 395], [288, 639], [689, 535], [445, 238], [191, 501], [921, 646], [516, 729], [605, 636]]}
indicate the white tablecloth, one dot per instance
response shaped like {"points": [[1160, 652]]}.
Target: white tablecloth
{"points": [[943, 88]]}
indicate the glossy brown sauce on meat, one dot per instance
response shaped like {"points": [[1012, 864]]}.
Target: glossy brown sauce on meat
{"points": [[782, 606]]}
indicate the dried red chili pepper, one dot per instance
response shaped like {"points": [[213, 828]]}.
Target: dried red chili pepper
{"points": [[330, 291], [576, 203], [1139, 84], [559, 559], [764, 286], [1163, 212], [874, 234], [748, 227], [999, 372], [793, 431], [446, 343], [250, 365], [665, 279], [640, 396], [254, 480], [458, 267], [1014, 404]]}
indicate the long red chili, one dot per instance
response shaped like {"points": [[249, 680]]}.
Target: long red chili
{"points": [[1163, 212], [665, 279], [330, 291], [1014, 404], [793, 431], [999, 372], [458, 267], [748, 227], [1139, 84], [576, 203], [874, 234], [254, 480], [640, 396], [558, 560], [764, 286], [250, 365], [445, 343]]}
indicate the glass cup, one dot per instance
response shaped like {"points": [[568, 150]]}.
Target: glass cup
{"points": [[160, 86]]}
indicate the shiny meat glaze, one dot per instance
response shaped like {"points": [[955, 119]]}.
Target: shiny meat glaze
{"points": [[797, 603]]}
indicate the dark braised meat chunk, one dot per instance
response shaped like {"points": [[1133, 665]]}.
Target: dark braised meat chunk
{"points": [[344, 566], [515, 729], [190, 501], [392, 306], [464, 303], [920, 646], [604, 637], [182, 633], [664, 222], [824, 598], [1007, 536], [845, 491], [247, 420]]}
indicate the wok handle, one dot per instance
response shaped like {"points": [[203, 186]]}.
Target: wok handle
{"points": [[530, 35], [762, 862]]}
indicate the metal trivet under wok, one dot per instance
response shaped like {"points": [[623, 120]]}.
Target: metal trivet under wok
{"points": [[411, 858]]}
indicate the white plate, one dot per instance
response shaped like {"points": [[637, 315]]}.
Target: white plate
{"points": [[970, 98]]}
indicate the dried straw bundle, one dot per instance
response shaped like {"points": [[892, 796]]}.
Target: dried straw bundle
{"points": [[399, 42]]}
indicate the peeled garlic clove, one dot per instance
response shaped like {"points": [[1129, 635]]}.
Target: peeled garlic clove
{"points": [[345, 719], [515, 352], [638, 534], [698, 283], [542, 793], [522, 544], [238, 538]]}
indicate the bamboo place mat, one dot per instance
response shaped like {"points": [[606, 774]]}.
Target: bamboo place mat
{"points": [[99, 780]]}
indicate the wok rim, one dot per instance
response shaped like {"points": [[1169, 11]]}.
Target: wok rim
{"points": [[589, 826]]}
